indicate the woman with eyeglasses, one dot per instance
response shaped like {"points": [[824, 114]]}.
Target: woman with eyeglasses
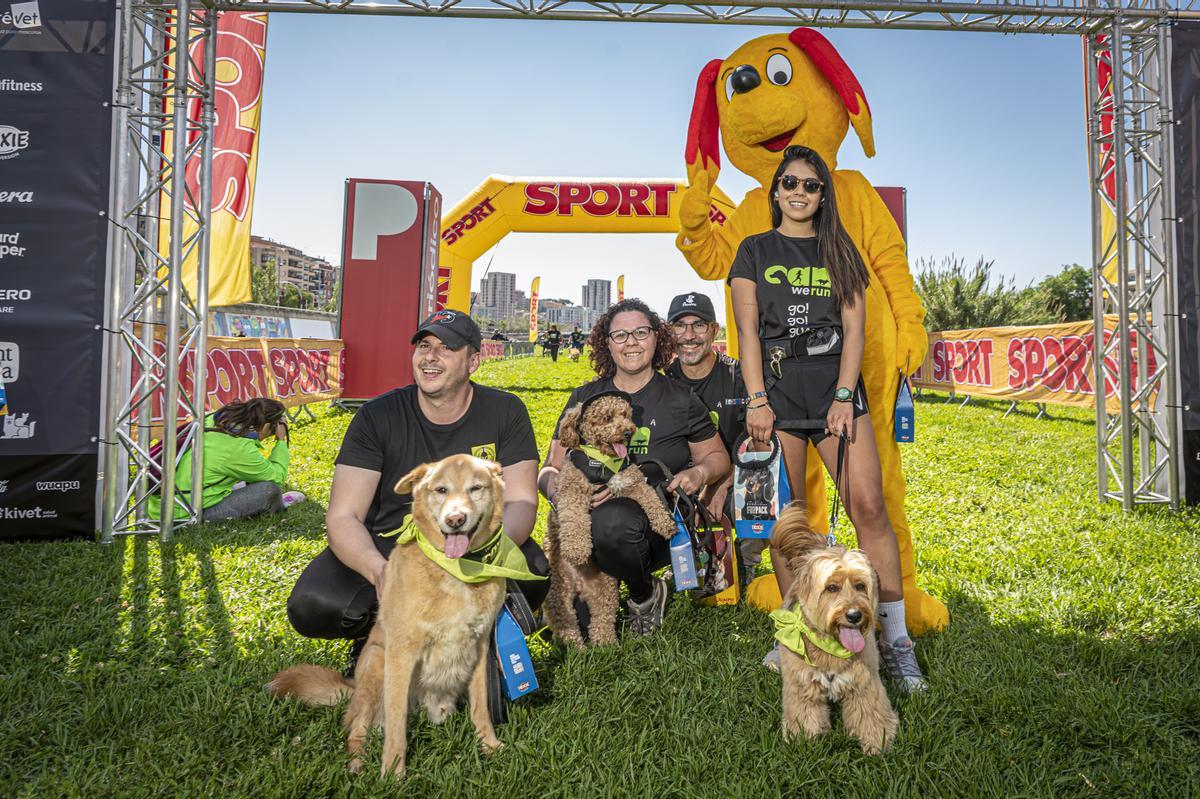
{"points": [[799, 303], [629, 345]]}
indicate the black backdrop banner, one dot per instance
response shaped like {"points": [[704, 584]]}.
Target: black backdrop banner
{"points": [[1185, 88], [56, 71]]}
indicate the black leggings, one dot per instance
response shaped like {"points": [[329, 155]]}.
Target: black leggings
{"points": [[624, 546], [331, 600], [553, 352]]}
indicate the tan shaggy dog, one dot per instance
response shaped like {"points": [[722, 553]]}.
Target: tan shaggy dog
{"points": [[835, 590], [606, 423], [430, 643]]}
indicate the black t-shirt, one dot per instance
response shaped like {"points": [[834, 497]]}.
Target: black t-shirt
{"points": [[553, 338], [668, 415], [391, 436], [722, 384], [794, 293]]}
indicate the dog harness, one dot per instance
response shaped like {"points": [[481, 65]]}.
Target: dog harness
{"points": [[499, 557], [595, 465], [791, 630]]}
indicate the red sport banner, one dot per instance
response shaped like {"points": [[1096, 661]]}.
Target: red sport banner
{"points": [[390, 279]]}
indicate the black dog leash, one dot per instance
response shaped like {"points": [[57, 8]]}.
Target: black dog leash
{"points": [[819, 424]]}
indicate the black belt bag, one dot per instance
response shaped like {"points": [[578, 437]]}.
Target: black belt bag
{"points": [[812, 342]]}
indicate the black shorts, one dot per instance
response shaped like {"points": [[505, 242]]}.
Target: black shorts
{"points": [[805, 392]]}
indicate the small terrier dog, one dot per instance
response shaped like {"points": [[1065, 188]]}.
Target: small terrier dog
{"points": [[830, 612], [604, 424]]}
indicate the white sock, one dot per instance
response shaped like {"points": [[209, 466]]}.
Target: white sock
{"points": [[891, 619]]}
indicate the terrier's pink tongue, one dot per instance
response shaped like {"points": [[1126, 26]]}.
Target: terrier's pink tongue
{"points": [[852, 639], [456, 545], [621, 450]]}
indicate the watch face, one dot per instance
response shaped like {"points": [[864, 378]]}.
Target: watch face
{"points": [[843, 394]]}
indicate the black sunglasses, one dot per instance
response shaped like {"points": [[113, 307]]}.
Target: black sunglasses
{"points": [[811, 185]]}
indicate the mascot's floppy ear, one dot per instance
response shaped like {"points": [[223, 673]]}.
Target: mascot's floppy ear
{"points": [[705, 126], [827, 61]]}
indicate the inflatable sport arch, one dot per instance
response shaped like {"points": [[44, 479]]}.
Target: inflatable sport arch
{"points": [[502, 205]]}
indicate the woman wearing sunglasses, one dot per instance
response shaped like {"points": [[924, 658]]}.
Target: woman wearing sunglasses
{"points": [[799, 303], [629, 345]]}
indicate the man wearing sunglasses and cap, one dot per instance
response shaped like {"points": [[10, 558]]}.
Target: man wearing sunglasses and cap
{"points": [[442, 413], [716, 379]]}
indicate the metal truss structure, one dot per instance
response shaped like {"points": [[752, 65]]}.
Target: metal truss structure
{"points": [[162, 89]]}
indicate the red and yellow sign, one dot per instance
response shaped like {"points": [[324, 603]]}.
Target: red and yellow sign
{"points": [[503, 205], [1045, 363], [241, 54], [294, 371], [533, 308]]}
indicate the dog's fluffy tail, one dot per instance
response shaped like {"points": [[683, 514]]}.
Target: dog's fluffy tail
{"points": [[313, 685], [792, 537]]}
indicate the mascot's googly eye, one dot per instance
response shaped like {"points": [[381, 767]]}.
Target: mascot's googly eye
{"points": [[779, 70], [729, 87]]}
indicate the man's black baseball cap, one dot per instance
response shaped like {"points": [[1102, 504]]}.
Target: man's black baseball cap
{"points": [[692, 303], [455, 329]]}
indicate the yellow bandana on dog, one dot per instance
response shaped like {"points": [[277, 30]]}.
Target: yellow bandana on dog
{"points": [[501, 557], [791, 629]]}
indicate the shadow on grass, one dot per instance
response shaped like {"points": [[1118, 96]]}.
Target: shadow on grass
{"points": [[1028, 410]]}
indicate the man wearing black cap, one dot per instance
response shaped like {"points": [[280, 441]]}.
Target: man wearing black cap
{"points": [[441, 414], [714, 376]]}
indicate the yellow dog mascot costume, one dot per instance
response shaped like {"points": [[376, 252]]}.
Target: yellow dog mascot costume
{"points": [[772, 92]]}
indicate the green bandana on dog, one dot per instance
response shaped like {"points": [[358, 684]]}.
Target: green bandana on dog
{"points": [[611, 462], [500, 556], [791, 630]]}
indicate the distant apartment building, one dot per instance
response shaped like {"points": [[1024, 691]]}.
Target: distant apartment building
{"points": [[597, 296], [313, 276], [497, 296]]}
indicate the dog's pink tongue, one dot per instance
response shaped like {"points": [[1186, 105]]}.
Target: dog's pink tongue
{"points": [[621, 450], [456, 545], [852, 639]]}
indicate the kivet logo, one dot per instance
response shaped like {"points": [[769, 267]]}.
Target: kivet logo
{"points": [[12, 141]]}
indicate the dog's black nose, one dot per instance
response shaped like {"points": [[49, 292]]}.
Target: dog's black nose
{"points": [[456, 520], [745, 78], [854, 616]]}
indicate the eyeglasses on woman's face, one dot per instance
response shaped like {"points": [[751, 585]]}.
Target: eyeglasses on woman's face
{"points": [[639, 334], [810, 185], [699, 327]]}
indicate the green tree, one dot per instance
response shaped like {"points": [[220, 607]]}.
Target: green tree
{"points": [[264, 283], [1068, 295], [958, 297]]}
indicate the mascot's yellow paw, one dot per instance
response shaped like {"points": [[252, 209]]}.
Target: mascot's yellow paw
{"points": [[922, 613]]}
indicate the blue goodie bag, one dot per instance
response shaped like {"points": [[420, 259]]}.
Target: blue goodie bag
{"points": [[515, 663], [905, 413], [683, 557]]}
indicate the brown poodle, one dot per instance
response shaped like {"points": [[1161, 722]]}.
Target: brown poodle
{"points": [[834, 595], [602, 424]]}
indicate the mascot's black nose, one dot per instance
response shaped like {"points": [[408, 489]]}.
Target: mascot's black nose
{"points": [[745, 78], [854, 616]]}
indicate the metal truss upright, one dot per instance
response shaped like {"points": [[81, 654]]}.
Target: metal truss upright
{"points": [[1133, 216], [155, 326], [163, 113]]}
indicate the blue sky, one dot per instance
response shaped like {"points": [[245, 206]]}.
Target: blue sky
{"points": [[986, 132]]}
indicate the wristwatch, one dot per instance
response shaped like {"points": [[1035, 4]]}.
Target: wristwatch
{"points": [[843, 395]]}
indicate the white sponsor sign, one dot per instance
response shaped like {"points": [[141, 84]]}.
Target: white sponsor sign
{"points": [[10, 362]]}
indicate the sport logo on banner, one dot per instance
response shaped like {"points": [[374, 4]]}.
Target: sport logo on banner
{"points": [[241, 54]]}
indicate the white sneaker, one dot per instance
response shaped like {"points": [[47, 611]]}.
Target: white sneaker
{"points": [[900, 662], [291, 498]]}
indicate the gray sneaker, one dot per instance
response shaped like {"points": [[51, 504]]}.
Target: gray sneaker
{"points": [[645, 618], [900, 662]]}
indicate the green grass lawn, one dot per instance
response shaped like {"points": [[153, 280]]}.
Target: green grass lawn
{"points": [[1070, 668]]}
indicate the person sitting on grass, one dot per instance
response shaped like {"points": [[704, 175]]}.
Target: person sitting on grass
{"points": [[629, 344], [244, 470]]}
